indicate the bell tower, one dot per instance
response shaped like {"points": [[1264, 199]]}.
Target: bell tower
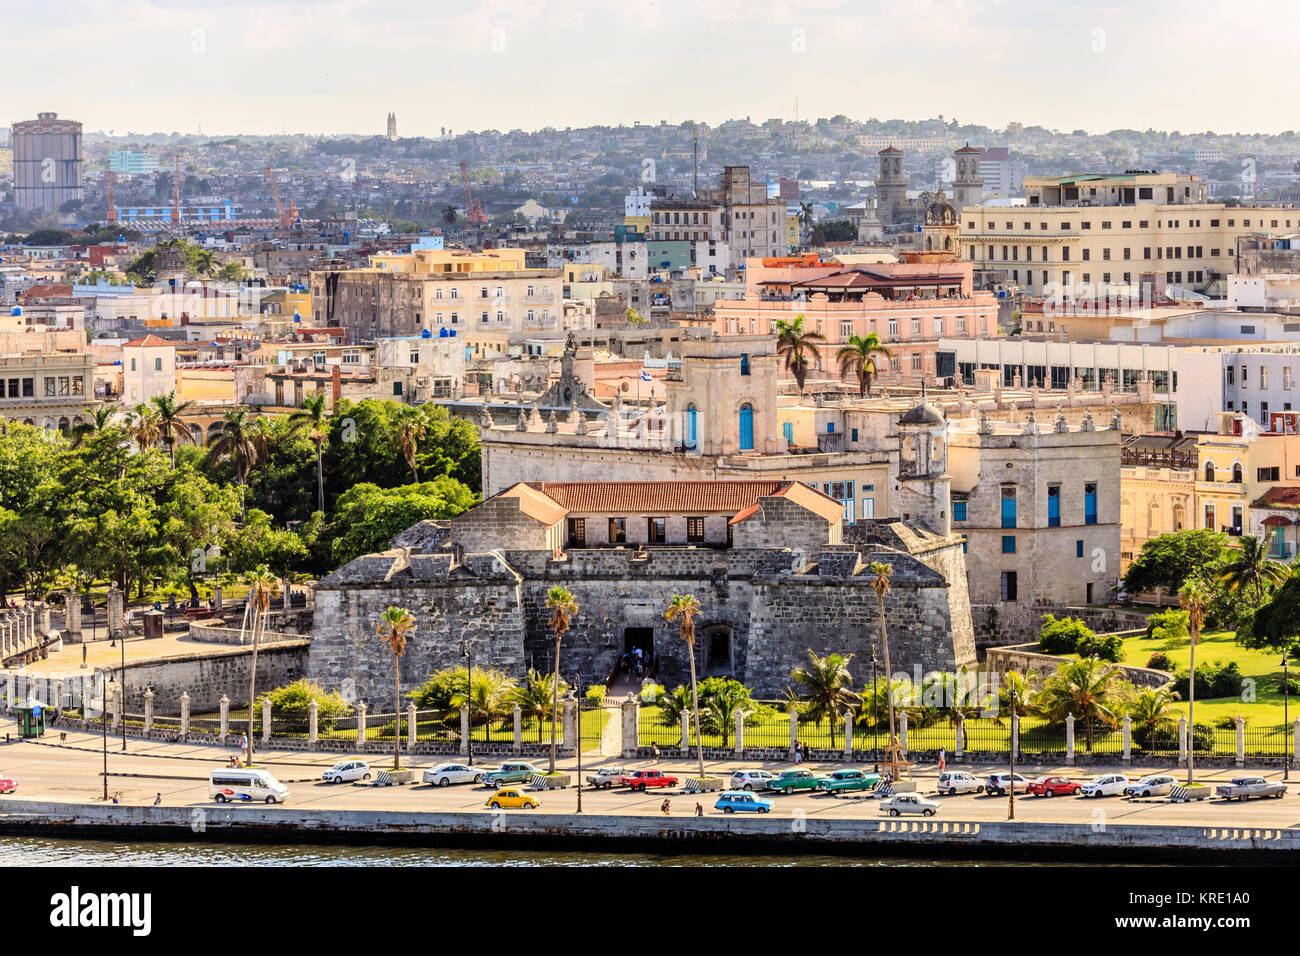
{"points": [[925, 489], [967, 183], [891, 187]]}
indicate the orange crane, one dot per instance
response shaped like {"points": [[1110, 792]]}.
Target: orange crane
{"points": [[112, 198], [473, 208], [286, 215]]}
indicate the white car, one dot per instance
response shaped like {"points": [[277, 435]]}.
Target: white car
{"points": [[1105, 785], [998, 783], [953, 782], [445, 774], [347, 770], [1152, 785], [750, 779], [909, 803]]}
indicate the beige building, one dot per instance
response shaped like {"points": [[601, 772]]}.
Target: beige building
{"points": [[1081, 236], [148, 369], [752, 223], [1158, 489]]}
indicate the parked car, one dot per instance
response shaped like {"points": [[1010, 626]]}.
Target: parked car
{"points": [[953, 782], [844, 781], [732, 801], [1105, 785], [788, 781], [244, 785], [347, 770], [8, 785], [1243, 788], [445, 774], [512, 798], [1050, 786], [1152, 785], [512, 771], [750, 779], [641, 779], [910, 803], [999, 783], [607, 777]]}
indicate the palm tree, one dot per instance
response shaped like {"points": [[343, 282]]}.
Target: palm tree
{"points": [[235, 441], [1192, 598], [805, 217], [101, 419], [262, 587], [312, 416], [722, 702], [1081, 688], [535, 700], [562, 605], [142, 425], [491, 696], [882, 572], [829, 688], [858, 357], [1149, 707], [259, 435], [396, 625], [684, 609], [411, 428], [449, 215], [169, 421], [1016, 694], [1252, 569], [797, 345]]}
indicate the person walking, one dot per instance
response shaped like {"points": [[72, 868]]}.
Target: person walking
{"points": [[699, 810], [798, 753], [157, 800], [654, 750], [943, 758], [665, 806]]}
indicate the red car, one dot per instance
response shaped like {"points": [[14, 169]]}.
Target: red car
{"points": [[1051, 786], [647, 778], [7, 785]]}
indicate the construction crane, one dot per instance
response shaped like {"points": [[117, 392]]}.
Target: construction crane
{"points": [[176, 191], [287, 216], [473, 208], [112, 198]]}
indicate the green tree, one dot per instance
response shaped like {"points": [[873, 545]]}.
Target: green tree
{"points": [[880, 584], [859, 358], [313, 418], [1148, 708], [684, 609], [1251, 569], [170, 426], [1192, 599], [562, 605], [798, 346], [411, 429], [827, 687], [1081, 688], [396, 625], [366, 518], [535, 698], [1167, 560], [235, 441]]}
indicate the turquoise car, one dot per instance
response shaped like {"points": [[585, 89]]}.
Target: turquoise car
{"points": [[512, 771], [843, 781], [788, 781], [742, 801]]}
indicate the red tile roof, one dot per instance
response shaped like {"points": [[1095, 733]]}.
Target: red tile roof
{"points": [[150, 341]]}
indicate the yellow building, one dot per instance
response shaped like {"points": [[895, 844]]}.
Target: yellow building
{"points": [[1157, 489], [1101, 232], [449, 261], [792, 230]]}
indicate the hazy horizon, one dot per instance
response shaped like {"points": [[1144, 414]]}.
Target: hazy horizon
{"points": [[338, 67]]}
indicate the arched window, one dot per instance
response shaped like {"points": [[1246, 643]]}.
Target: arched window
{"points": [[1236, 472], [1209, 471], [746, 427]]}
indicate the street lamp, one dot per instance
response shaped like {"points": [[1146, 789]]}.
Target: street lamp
{"points": [[468, 653], [875, 710], [578, 734], [1286, 718], [105, 675], [121, 641]]}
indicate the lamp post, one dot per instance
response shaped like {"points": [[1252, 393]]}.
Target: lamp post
{"points": [[1286, 719], [875, 708], [120, 637], [104, 674], [578, 734], [467, 652]]}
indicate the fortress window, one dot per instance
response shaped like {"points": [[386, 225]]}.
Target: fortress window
{"points": [[656, 530], [617, 530], [695, 529]]}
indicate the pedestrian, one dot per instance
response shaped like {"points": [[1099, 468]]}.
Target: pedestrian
{"points": [[666, 804], [116, 795], [699, 810], [157, 800], [243, 744], [654, 750], [798, 754], [806, 749], [943, 758]]}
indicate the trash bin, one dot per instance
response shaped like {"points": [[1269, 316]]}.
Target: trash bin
{"points": [[153, 624]]}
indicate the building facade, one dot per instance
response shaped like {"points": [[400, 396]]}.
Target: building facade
{"points": [[49, 169]]}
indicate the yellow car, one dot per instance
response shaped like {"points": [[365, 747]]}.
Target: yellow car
{"points": [[512, 798]]}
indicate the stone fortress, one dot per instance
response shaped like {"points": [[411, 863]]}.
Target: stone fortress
{"points": [[775, 567]]}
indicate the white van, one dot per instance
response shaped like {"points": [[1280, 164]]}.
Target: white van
{"points": [[245, 786]]}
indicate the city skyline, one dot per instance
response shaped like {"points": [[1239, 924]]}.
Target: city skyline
{"points": [[502, 66]]}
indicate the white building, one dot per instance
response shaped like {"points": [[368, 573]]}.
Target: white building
{"points": [[148, 369]]}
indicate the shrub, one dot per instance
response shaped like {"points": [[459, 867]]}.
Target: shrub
{"points": [[596, 692], [1168, 625], [1062, 635], [1109, 647], [292, 703], [1160, 661], [651, 693], [1214, 679], [1290, 685]]}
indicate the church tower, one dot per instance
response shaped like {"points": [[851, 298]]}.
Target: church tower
{"points": [[392, 127], [925, 489], [967, 183], [891, 187]]}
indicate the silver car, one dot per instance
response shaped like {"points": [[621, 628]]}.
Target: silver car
{"points": [[953, 782], [1152, 785], [445, 774], [751, 779], [346, 771], [909, 803]]}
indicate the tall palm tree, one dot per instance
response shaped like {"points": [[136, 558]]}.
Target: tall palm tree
{"points": [[798, 347], [1081, 688], [1017, 696], [880, 583], [1252, 569], [142, 425], [395, 626], [101, 419], [562, 605], [169, 421], [1192, 598], [828, 686], [260, 435], [449, 215], [684, 609], [235, 441], [858, 357], [262, 587], [805, 217], [411, 429], [312, 416]]}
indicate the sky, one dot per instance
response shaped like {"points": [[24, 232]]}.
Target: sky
{"points": [[340, 66]]}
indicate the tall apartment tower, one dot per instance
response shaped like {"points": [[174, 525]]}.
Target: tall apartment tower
{"points": [[48, 165], [392, 127], [891, 187], [967, 183]]}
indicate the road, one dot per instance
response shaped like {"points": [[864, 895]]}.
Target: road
{"points": [[71, 773]]}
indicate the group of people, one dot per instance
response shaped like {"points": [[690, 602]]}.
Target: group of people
{"points": [[801, 751], [634, 663]]}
